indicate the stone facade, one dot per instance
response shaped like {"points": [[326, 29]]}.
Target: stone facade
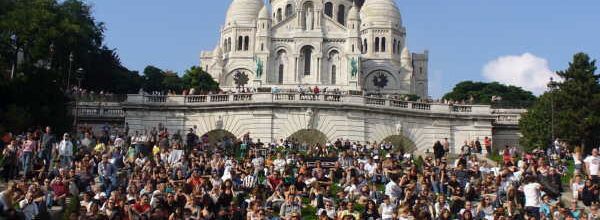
{"points": [[325, 43], [271, 117]]}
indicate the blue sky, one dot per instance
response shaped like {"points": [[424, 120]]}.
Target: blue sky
{"points": [[518, 42]]}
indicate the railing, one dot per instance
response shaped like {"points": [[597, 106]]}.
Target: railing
{"points": [[508, 119], [284, 97], [374, 101], [156, 98], [196, 98], [462, 109], [219, 98], [398, 104], [347, 100], [421, 106], [242, 97], [100, 112]]}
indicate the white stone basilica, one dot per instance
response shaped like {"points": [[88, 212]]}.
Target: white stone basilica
{"points": [[327, 43]]}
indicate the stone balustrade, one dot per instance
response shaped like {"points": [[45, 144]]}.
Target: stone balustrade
{"points": [[332, 99], [100, 112]]}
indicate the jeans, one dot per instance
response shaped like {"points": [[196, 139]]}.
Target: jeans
{"points": [[26, 161], [533, 212], [65, 161], [109, 183]]}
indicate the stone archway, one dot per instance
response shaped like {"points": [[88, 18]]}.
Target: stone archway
{"points": [[401, 143], [218, 135], [309, 137]]}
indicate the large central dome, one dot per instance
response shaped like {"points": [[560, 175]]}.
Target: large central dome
{"points": [[380, 12], [243, 11]]}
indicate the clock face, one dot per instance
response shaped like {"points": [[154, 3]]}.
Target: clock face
{"points": [[380, 80]]}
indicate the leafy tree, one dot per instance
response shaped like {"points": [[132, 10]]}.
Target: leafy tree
{"points": [[197, 78], [576, 102], [482, 92], [241, 79], [172, 82], [45, 33], [153, 79]]}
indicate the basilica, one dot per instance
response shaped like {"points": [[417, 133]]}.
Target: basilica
{"points": [[334, 44]]}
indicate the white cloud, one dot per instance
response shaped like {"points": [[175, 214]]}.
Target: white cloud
{"points": [[527, 71]]}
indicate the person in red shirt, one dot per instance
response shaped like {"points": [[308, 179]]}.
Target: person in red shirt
{"points": [[274, 181], [141, 209], [59, 189]]}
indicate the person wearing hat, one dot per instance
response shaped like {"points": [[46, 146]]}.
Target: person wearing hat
{"points": [[65, 151]]}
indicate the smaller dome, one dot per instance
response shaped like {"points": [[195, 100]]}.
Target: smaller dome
{"points": [[243, 11], [264, 13], [353, 13], [380, 12]]}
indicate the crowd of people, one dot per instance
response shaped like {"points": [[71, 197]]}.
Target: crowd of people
{"points": [[117, 174]]}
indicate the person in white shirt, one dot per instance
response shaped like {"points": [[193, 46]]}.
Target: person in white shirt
{"points": [[592, 165], [532, 191], [387, 209], [29, 207], [393, 190], [279, 163], [65, 151]]}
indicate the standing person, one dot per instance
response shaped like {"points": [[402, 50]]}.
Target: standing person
{"points": [[10, 161], [438, 150], [65, 151], [532, 191], [28, 148], [47, 144], [487, 142], [592, 165], [446, 145]]}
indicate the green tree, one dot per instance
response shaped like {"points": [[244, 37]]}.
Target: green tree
{"points": [[45, 33], [172, 82], [576, 102], [153, 79], [195, 77], [483, 92]]}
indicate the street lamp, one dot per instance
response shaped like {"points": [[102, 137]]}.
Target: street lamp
{"points": [[51, 50], [552, 86], [79, 77], [13, 40], [71, 58]]}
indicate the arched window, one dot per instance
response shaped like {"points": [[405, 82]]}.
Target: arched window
{"points": [[365, 47], [240, 43], [333, 74], [246, 43], [329, 9], [383, 44], [288, 10], [341, 16], [394, 46], [307, 56], [229, 44], [376, 44], [262, 47], [281, 61], [280, 77], [279, 15], [399, 47]]}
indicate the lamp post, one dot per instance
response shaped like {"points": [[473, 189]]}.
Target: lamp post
{"points": [[552, 86], [79, 76], [71, 58], [13, 39], [51, 50]]}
